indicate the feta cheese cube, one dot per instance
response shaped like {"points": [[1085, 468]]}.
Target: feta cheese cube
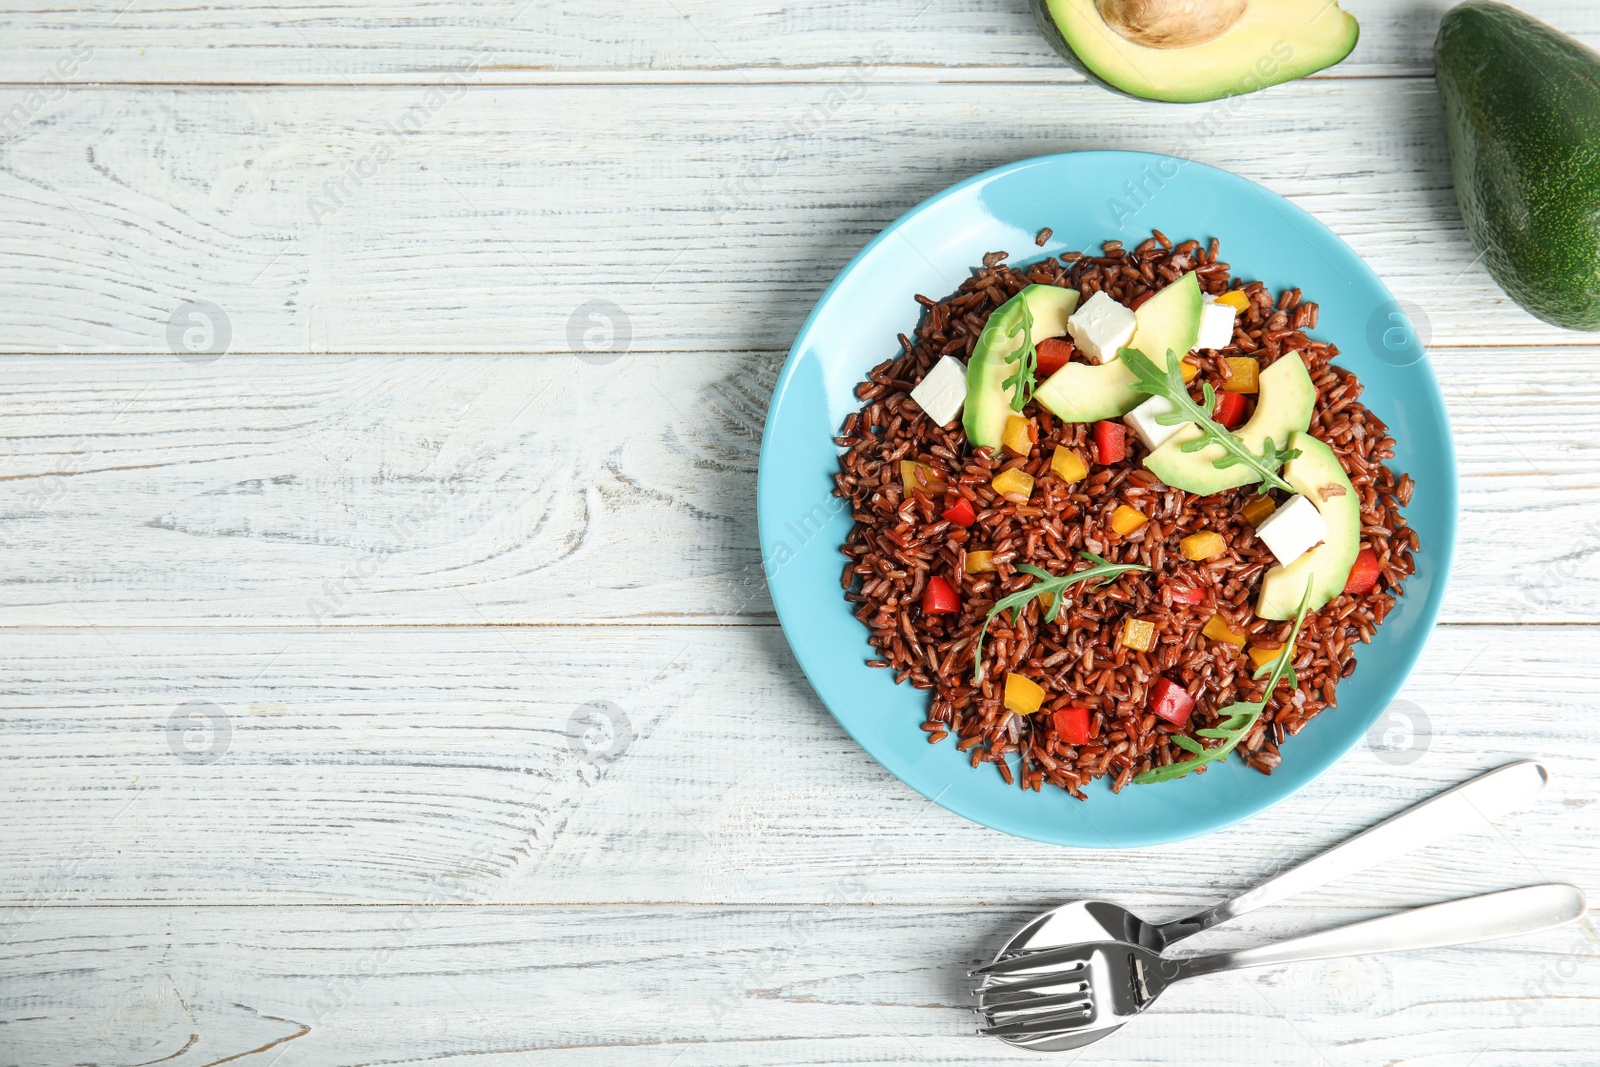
{"points": [[941, 394], [1100, 327], [1216, 325], [1293, 529], [1142, 421]]}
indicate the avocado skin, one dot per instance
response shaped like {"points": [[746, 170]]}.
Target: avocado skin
{"points": [[1052, 34], [1522, 113]]}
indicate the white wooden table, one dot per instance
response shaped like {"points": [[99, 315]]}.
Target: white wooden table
{"points": [[296, 634]]}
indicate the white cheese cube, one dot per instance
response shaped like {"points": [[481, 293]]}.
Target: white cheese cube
{"points": [[1216, 325], [943, 391], [1100, 327], [1293, 529], [1142, 421]]}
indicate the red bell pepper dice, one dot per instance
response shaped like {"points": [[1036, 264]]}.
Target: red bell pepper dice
{"points": [[960, 513], [1230, 409], [1169, 701], [1110, 442], [1053, 355], [1183, 594], [1363, 573], [938, 598], [1072, 725]]}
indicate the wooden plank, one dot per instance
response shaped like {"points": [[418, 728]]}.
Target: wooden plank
{"points": [[473, 489], [339, 41], [464, 765], [676, 218], [737, 986]]}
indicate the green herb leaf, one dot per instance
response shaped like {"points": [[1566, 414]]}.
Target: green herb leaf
{"points": [[1168, 384], [1026, 358], [1102, 571], [1239, 717]]}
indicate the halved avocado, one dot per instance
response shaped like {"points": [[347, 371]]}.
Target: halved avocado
{"points": [[1087, 392], [988, 403], [1317, 475], [1188, 51], [1284, 405]]}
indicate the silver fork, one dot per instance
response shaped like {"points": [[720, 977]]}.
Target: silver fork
{"points": [[1065, 998]]}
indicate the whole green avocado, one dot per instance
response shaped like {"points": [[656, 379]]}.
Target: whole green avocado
{"points": [[1522, 112]]}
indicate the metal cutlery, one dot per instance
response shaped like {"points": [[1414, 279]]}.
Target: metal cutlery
{"points": [[1068, 997], [1468, 806]]}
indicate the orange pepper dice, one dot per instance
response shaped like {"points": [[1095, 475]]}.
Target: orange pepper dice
{"points": [[1068, 465], [1138, 634], [1244, 375], [1125, 520], [1018, 436], [1217, 629], [1015, 485], [1237, 299], [1259, 510], [980, 562], [1206, 544], [1023, 695], [931, 481]]}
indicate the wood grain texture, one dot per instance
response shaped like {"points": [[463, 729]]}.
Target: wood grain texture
{"points": [[700, 218], [355, 41], [456, 766], [471, 489], [271, 792], [748, 986]]}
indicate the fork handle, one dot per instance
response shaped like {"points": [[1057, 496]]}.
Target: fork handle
{"points": [[1468, 806], [1459, 922]]}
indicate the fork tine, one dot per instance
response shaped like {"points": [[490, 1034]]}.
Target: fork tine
{"points": [[1072, 975], [1050, 1022], [1018, 1004], [1027, 961]]}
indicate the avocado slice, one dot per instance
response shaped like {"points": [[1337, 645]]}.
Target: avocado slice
{"points": [[1522, 112], [1185, 52], [1283, 406], [1317, 475], [988, 402], [1168, 322]]}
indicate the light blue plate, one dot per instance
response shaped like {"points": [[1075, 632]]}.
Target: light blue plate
{"points": [[1085, 198]]}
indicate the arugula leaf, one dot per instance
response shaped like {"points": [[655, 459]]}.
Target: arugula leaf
{"points": [[1168, 384], [1026, 358], [1103, 571], [1238, 718]]}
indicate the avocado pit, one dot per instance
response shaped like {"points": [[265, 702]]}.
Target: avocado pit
{"points": [[1170, 23]]}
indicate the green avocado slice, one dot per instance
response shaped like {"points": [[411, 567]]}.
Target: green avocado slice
{"points": [[1317, 475], [1283, 406], [988, 403], [1272, 41], [1088, 392]]}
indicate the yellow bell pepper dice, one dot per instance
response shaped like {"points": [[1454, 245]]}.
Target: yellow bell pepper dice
{"points": [[1206, 544], [1217, 629], [920, 476], [1190, 371], [1263, 656], [1018, 436], [1245, 376], [1138, 634], [1023, 695], [980, 562], [1237, 299], [1013, 484], [1258, 510], [1125, 520], [1068, 465]]}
